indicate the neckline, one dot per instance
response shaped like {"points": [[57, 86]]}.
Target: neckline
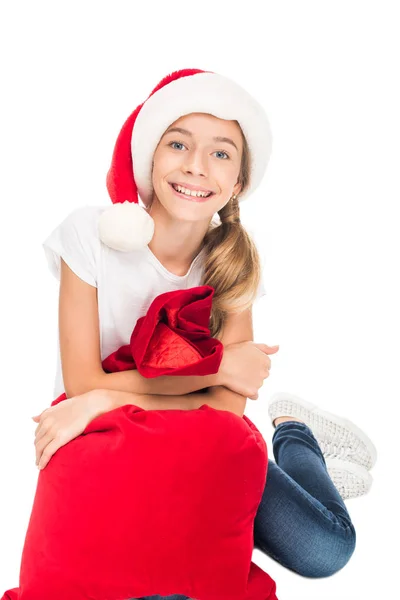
{"points": [[164, 271]]}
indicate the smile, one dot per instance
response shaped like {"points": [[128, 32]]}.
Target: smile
{"points": [[193, 195]]}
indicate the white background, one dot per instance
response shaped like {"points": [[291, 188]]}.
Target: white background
{"points": [[326, 215]]}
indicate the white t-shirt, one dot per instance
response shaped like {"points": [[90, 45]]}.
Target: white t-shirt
{"points": [[127, 282]]}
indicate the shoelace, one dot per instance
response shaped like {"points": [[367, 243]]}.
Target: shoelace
{"points": [[335, 449]]}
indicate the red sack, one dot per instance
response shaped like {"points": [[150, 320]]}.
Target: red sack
{"points": [[152, 502], [173, 338]]}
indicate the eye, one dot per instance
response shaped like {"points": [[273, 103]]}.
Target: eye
{"points": [[221, 152], [180, 144], [171, 143]]}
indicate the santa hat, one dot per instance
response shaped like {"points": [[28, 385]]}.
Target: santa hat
{"points": [[126, 226]]}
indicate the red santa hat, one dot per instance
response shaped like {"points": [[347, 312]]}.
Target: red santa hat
{"points": [[126, 226]]}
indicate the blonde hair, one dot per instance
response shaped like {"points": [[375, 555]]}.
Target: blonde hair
{"points": [[232, 263]]}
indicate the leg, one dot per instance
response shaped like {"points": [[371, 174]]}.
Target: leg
{"points": [[302, 521]]}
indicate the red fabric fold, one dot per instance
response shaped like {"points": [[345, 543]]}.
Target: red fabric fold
{"points": [[152, 502], [173, 338]]}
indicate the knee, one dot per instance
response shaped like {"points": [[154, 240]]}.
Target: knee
{"points": [[335, 556]]}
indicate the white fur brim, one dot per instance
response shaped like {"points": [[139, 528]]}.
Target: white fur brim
{"points": [[207, 93]]}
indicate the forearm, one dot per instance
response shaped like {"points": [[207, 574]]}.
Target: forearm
{"points": [[133, 381], [219, 398]]}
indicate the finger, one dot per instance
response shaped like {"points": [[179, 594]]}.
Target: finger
{"points": [[43, 426], [42, 445], [48, 453], [42, 431], [38, 427], [37, 417], [267, 349]]}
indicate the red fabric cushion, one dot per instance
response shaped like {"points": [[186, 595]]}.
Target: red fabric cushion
{"points": [[152, 502]]}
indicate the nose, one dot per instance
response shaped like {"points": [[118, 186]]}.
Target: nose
{"points": [[195, 164]]}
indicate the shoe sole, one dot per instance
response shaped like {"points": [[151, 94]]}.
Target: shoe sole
{"points": [[311, 414], [351, 480]]}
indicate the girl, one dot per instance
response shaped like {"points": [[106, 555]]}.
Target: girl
{"points": [[194, 149]]}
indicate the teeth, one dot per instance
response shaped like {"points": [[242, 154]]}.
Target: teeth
{"points": [[187, 192]]}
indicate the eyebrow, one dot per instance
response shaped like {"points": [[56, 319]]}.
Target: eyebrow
{"points": [[216, 139]]}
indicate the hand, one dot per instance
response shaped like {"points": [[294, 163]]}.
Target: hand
{"points": [[63, 422], [244, 367]]}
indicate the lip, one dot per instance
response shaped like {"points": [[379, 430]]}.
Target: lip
{"points": [[191, 198], [195, 188]]}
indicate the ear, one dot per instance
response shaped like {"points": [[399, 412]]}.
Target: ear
{"points": [[237, 188]]}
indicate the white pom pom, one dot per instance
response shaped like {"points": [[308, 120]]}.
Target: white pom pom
{"points": [[125, 226]]}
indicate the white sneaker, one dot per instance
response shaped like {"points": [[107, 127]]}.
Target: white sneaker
{"points": [[336, 436], [351, 480]]}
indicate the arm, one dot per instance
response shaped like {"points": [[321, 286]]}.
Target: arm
{"points": [[81, 360], [110, 399], [133, 381], [238, 328], [80, 349]]}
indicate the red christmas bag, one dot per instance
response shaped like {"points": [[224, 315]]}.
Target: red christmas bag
{"points": [[157, 501]]}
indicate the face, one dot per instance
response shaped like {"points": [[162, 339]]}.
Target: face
{"points": [[203, 155]]}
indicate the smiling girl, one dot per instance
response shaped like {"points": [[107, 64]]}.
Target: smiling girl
{"points": [[196, 148]]}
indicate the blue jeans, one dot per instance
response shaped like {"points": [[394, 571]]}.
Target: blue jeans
{"points": [[302, 521]]}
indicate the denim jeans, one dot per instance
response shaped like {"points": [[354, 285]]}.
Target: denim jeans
{"points": [[302, 521]]}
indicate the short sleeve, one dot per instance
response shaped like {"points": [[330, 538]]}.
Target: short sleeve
{"points": [[76, 240]]}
